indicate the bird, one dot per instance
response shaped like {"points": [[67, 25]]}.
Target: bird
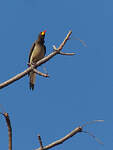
{"points": [[37, 52]]}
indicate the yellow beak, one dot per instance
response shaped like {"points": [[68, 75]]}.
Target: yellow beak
{"points": [[43, 33]]}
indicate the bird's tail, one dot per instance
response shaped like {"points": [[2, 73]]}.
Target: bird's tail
{"points": [[32, 78]]}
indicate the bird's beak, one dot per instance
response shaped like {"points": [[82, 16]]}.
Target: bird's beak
{"points": [[43, 33]]}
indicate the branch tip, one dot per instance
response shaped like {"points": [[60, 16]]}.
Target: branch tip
{"points": [[40, 73], [40, 141], [91, 122], [69, 54], [93, 136], [54, 47]]}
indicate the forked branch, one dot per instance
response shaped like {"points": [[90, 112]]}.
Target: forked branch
{"points": [[60, 141], [68, 136], [42, 61]]}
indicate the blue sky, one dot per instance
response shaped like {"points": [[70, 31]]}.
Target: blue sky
{"points": [[80, 88]]}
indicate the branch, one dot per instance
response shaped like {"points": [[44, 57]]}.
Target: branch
{"points": [[69, 54], [42, 61], [40, 73], [40, 141], [72, 133], [75, 131], [9, 129], [93, 136], [62, 53], [92, 122]]}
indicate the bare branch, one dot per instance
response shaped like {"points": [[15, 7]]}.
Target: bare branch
{"points": [[62, 53], [9, 129], [42, 61], [91, 122], [72, 133], [40, 141], [54, 47], [93, 136], [83, 43], [40, 73], [69, 54], [60, 141]]}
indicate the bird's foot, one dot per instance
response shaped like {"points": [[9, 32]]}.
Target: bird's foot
{"points": [[30, 64]]}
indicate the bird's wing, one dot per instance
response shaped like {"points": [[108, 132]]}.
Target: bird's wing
{"points": [[31, 50]]}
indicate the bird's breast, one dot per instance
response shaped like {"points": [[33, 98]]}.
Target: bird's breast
{"points": [[37, 54]]}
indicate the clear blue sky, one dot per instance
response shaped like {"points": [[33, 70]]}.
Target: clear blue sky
{"points": [[80, 88]]}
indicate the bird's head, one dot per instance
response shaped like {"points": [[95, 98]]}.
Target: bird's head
{"points": [[43, 33], [41, 36]]}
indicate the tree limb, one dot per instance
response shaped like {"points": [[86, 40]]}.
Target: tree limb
{"points": [[75, 131], [42, 61], [40, 73], [9, 129]]}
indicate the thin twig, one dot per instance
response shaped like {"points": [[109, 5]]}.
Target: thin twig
{"points": [[83, 42], [9, 129], [42, 61], [40, 73], [93, 136], [62, 53], [40, 141], [69, 54], [91, 122]]}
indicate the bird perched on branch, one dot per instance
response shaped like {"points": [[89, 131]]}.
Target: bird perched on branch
{"points": [[37, 52]]}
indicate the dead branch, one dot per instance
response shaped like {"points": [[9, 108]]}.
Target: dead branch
{"points": [[90, 134], [93, 136], [53, 144], [62, 53], [68, 136], [42, 61], [92, 122], [40, 141], [69, 54], [75, 131], [9, 129], [40, 73]]}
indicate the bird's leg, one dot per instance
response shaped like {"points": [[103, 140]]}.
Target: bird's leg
{"points": [[30, 64]]}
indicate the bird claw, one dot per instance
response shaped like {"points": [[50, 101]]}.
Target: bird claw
{"points": [[30, 64]]}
